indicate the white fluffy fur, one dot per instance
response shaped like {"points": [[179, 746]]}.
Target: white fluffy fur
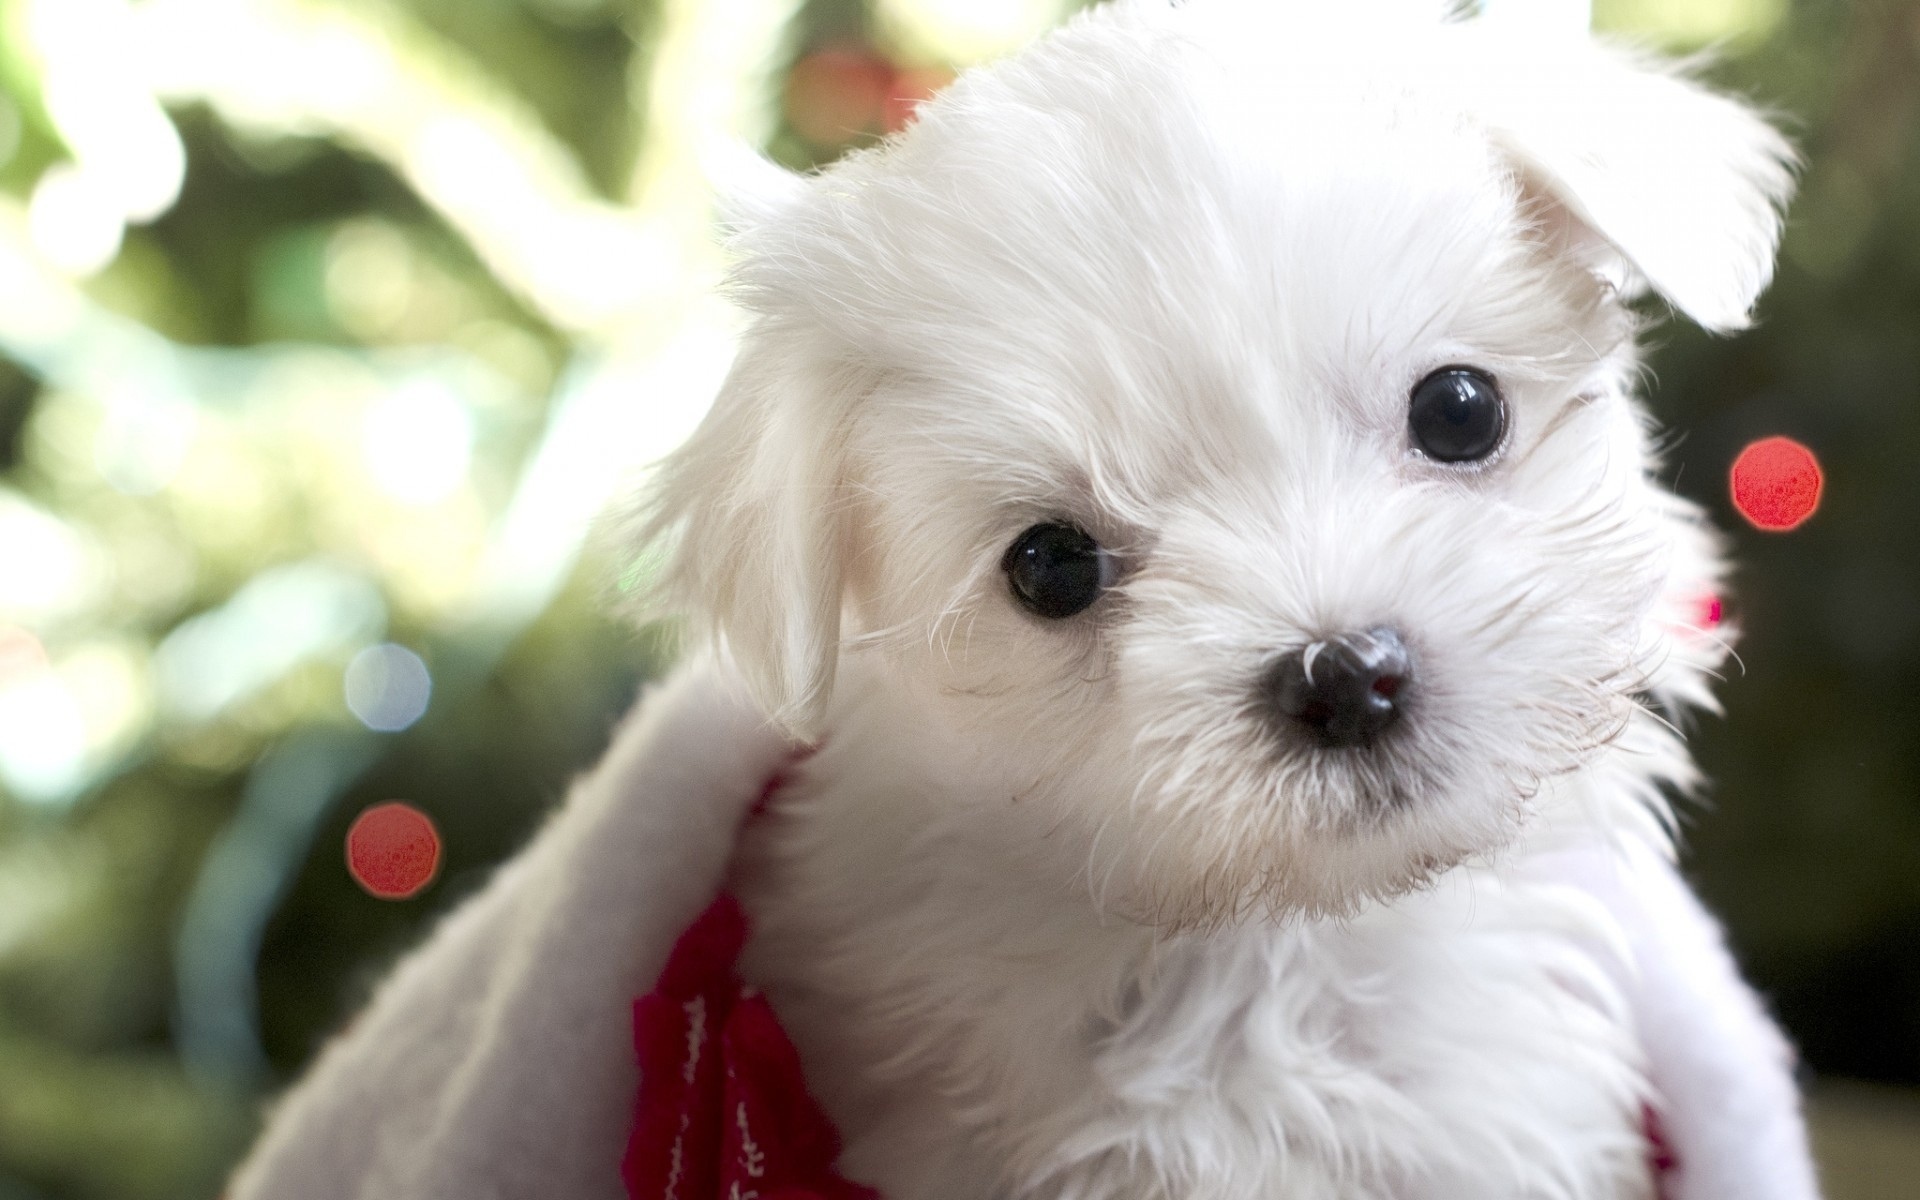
{"points": [[1054, 912]]}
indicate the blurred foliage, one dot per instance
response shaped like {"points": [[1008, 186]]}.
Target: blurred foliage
{"points": [[325, 324]]}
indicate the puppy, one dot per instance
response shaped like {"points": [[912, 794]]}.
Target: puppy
{"points": [[1187, 494]]}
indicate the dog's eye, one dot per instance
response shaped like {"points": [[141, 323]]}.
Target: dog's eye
{"points": [[1057, 570], [1457, 415]]}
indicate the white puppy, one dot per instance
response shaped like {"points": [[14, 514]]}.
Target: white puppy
{"points": [[1190, 490]]}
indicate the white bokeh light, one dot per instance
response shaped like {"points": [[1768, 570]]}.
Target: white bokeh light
{"points": [[74, 222], [388, 687], [144, 436], [43, 737], [120, 137], [970, 30], [50, 567], [129, 161], [418, 442]]}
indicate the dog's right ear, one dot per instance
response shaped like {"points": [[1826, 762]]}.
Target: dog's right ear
{"points": [[1685, 185], [753, 511]]}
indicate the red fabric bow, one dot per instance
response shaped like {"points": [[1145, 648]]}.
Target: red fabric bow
{"points": [[723, 1111]]}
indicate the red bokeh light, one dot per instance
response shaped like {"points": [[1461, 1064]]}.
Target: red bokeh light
{"points": [[836, 94], [839, 94], [393, 851], [1776, 483]]}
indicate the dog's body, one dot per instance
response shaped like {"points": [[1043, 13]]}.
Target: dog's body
{"points": [[1494, 1035], [1072, 440]]}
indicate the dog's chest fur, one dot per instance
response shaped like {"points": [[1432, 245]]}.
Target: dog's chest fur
{"points": [[979, 1036]]}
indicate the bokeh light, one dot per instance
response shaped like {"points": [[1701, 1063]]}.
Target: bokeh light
{"points": [[393, 851], [388, 687], [368, 278], [144, 436], [73, 222], [49, 566], [1776, 483], [836, 94], [418, 441], [43, 738], [967, 30]]}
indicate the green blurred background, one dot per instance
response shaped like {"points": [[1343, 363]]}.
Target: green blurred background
{"points": [[327, 325]]}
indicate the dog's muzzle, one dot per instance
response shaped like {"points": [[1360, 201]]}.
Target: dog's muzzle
{"points": [[1345, 691]]}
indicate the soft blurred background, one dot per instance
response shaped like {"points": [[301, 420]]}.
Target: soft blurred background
{"points": [[327, 325]]}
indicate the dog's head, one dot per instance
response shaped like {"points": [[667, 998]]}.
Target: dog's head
{"points": [[1222, 415]]}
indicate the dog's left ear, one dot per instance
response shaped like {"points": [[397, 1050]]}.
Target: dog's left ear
{"points": [[1685, 185], [754, 511]]}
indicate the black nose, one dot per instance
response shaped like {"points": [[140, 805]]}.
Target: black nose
{"points": [[1346, 690]]}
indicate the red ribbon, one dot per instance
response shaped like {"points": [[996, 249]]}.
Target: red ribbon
{"points": [[723, 1111]]}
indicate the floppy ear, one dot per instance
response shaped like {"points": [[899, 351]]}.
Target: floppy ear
{"points": [[754, 509], [1684, 185]]}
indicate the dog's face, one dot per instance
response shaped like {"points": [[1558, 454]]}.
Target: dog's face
{"points": [[1220, 418]]}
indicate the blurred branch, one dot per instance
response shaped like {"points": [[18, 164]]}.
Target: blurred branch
{"points": [[479, 156]]}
